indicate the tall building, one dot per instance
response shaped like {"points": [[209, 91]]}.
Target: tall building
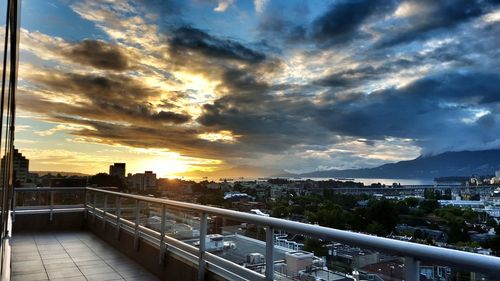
{"points": [[20, 165], [117, 169]]}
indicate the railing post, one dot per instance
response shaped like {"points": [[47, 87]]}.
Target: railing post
{"points": [[93, 206], [85, 205], [412, 271], [136, 230], [14, 207], [104, 212], [203, 247], [118, 215], [51, 204], [269, 253], [162, 234]]}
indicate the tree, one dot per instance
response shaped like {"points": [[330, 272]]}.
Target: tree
{"points": [[105, 180], [330, 215], [491, 222], [384, 212], [458, 233], [493, 244], [428, 206], [316, 247], [376, 228]]}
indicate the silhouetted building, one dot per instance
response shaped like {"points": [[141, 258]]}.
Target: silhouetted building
{"points": [[142, 181], [118, 169], [20, 166]]}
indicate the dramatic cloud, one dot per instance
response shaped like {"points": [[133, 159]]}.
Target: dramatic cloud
{"points": [[295, 85], [189, 38], [415, 19], [114, 98], [98, 54], [344, 18], [429, 110]]}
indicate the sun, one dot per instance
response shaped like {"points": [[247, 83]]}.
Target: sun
{"points": [[165, 166]]}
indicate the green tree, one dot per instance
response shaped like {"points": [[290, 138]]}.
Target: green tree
{"points": [[385, 213], [105, 180], [315, 246], [376, 228], [458, 233], [428, 206], [330, 215], [491, 222]]}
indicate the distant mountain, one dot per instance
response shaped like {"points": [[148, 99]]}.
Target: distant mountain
{"points": [[235, 173], [463, 163]]}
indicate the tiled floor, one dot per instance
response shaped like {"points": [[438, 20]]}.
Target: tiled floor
{"points": [[70, 256]]}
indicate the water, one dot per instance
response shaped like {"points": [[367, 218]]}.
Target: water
{"points": [[365, 181], [369, 181]]}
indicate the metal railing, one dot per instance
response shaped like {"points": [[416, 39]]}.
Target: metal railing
{"points": [[413, 253]]}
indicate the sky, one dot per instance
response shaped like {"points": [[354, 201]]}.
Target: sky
{"points": [[189, 87]]}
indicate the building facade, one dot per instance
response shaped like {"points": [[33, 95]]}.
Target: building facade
{"points": [[117, 169], [20, 165], [142, 181]]}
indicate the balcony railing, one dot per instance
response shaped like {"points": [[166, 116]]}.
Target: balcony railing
{"points": [[125, 212]]}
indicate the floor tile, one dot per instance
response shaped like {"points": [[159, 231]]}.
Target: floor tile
{"points": [[38, 276], [71, 256]]}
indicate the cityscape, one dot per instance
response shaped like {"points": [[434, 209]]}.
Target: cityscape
{"points": [[343, 140], [454, 212]]}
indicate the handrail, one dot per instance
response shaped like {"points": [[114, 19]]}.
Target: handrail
{"points": [[40, 189], [412, 252], [444, 256]]}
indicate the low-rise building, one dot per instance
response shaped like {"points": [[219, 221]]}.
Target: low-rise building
{"points": [[142, 181]]}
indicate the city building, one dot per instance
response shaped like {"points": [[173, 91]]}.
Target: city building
{"points": [[20, 165], [117, 169], [142, 181]]}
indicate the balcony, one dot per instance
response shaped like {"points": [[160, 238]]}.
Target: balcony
{"points": [[97, 234], [70, 255]]}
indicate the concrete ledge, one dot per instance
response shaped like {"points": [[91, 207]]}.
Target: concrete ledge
{"points": [[147, 255], [42, 222]]}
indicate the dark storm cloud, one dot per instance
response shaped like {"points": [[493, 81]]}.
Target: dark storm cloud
{"points": [[351, 77], [242, 81], [173, 117], [341, 23], [435, 15], [192, 39], [98, 54], [428, 110], [343, 19], [112, 87], [266, 122]]}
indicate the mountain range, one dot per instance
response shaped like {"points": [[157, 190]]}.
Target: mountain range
{"points": [[448, 164], [462, 163]]}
